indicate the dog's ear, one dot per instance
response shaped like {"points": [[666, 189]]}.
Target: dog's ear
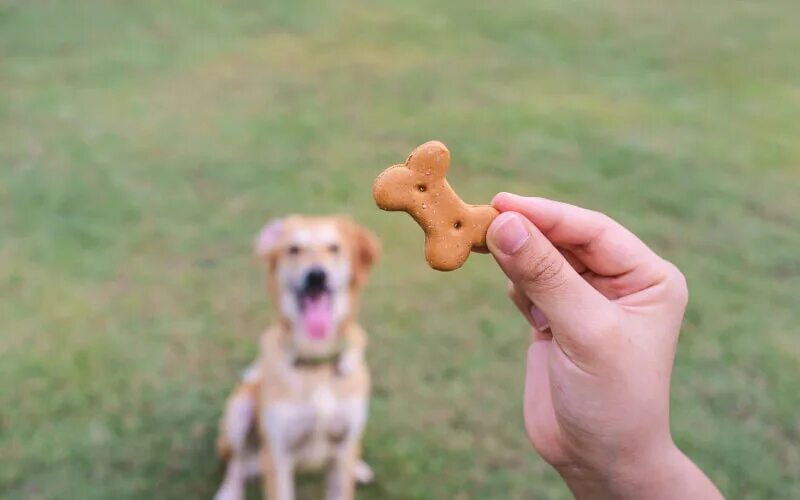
{"points": [[267, 240], [366, 247], [430, 159], [369, 247]]}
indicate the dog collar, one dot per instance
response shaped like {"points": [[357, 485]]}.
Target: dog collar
{"points": [[315, 361]]}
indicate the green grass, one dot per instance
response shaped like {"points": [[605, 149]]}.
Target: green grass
{"points": [[142, 145]]}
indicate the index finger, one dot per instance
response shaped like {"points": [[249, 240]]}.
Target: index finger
{"points": [[600, 242]]}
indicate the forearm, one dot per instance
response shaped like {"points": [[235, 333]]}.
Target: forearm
{"points": [[673, 476]]}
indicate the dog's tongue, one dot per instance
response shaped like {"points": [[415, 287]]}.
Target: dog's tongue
{"points": [[317, 316]]}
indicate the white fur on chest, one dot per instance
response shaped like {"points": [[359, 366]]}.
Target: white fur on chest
{"points": [[311, 433]]}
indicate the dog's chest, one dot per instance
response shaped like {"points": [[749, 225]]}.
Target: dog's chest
{"points": [[311, 426]]}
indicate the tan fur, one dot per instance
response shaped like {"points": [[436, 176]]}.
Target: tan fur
{"points": [[303, 416]]}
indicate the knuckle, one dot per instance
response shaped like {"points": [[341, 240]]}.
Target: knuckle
{"points": [[598, 216], [677, 286], [511, 290], [545, 272], [599, 219]]}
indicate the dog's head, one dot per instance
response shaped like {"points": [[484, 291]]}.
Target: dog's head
{"points": [[316, 267]]}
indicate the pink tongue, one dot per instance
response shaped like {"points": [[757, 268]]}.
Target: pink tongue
{"points": [[317, 316]]}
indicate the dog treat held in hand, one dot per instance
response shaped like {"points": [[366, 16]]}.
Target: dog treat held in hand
{"points": [[452, 228]]}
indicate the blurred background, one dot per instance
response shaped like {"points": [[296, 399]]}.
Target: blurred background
{"points": [[143, 144]]}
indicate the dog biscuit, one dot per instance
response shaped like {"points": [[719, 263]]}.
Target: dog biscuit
{"points": [[452, 228]]}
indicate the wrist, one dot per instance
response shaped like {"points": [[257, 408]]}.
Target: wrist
{"points": [[645, 474]]}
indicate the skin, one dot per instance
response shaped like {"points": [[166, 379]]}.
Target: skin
{"points": [[605, 312]]}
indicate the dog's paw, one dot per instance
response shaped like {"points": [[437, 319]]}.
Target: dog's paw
{"points": [[230, 491], [363, 473]]}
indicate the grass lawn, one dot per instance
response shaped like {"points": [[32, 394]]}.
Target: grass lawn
{"points": [[143, 144]]}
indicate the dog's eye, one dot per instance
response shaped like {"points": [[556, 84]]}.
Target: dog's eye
{"points": [[333, 248], [294, 250]]}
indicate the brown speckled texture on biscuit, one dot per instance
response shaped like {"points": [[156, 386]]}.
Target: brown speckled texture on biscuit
{"points": [[452, 228]]}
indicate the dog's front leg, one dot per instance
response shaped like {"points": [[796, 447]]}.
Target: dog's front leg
{"points": [[278, 475], [341, 479], [232, 443], [277, 459], [232, 487], [346, 429]]}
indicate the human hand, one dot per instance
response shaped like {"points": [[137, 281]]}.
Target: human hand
{"points": [[606, 312]]}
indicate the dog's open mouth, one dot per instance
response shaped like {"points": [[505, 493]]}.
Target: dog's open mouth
{"points": [[316, 313]]}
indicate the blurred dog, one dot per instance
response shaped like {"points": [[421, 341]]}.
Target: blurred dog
{"points": [[302, 405]]}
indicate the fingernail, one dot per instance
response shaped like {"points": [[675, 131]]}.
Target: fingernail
{"points": [[540, 321], [510, 233], [503, 198], [501, 194]]}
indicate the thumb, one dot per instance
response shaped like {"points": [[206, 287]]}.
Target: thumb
{"points": [[542, 274]]}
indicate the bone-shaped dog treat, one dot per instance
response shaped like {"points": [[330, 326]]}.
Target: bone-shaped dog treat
{"points": [[452, 228]]}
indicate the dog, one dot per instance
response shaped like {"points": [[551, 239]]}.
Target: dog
{"points": [[302, 405]]}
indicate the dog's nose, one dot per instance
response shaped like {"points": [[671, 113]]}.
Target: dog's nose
{"points": [[316, 279]]}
